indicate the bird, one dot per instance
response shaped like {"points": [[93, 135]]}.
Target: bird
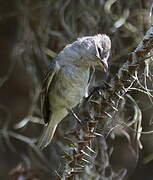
{"points": [[67, 80]]}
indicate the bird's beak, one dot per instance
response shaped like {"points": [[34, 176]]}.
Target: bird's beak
{"points": [[103, 63]]}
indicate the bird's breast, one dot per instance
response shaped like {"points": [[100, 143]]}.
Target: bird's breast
{"points": [[70, 87]]}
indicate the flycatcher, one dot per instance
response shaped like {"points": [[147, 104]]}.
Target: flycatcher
{"points": [[67, 81]]}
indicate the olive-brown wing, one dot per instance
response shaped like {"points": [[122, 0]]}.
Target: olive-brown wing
{"points": [[53, 70]]}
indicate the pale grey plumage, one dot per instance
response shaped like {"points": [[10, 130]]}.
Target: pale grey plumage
{"points": [[67, 80]]}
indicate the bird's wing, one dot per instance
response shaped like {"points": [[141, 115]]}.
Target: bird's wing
{"points": [[53, 69]]}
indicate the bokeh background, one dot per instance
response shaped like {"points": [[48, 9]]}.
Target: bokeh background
{"points": [[27, 30]]}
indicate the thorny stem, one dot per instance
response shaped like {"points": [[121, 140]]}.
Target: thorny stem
{"points": [[113, 92]]}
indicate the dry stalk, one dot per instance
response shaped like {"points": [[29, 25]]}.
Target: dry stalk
{"points": [[81, 138]]}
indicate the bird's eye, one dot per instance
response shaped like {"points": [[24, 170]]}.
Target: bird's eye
{"points": [[102, 53], [106, 55]]}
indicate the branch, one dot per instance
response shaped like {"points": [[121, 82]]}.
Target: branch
{"points": [[81, 138]]}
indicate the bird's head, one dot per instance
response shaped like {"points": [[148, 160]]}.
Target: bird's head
{"points": [[103, 47], [87, 51]]}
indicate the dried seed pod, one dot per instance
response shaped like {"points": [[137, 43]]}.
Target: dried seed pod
{"points": [[78, 156], [67, 156]]}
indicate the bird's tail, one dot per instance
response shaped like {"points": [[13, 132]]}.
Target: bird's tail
{"points": [[49, 130], [47, 135]]}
